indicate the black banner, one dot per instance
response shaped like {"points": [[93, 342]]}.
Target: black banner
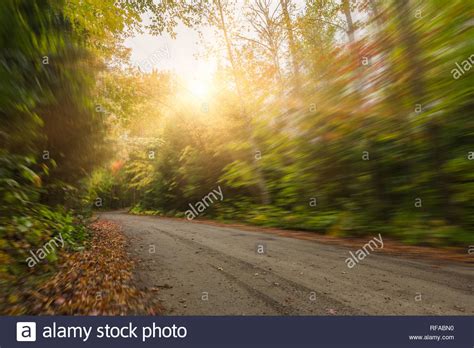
{"points": [[396, 332]]}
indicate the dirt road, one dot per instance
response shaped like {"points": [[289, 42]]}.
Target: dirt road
{"points": [[199, 269]]}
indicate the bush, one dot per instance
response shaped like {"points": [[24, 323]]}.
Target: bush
{"points": [[26, 225]]}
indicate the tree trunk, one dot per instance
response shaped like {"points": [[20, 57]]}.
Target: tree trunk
{"points": [[350, 25], [292, 46], [262, 185]]}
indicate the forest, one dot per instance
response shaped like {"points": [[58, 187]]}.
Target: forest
{"points": [[341, 117]]}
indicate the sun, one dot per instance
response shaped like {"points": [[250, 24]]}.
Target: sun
{"points": [[200, 83], [198, 87]]}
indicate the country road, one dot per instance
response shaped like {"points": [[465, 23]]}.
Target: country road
{"points": [[200, 269]]}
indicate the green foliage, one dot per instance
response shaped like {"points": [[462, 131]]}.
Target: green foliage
{"points": [[365, 141], [51, 135], [283, 129], [25, 224]]}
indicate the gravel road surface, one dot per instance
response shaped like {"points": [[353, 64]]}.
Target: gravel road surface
{"points": [[200, 269]]}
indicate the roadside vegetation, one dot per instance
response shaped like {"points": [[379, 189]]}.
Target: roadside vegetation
{"points": [[357, 123], [54, 53], [340, 117]]}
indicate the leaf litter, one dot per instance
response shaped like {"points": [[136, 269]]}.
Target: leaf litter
{"points": [[95, 281]]}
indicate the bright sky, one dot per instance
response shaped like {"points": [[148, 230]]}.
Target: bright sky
{"points": [[164, 53], [180, 55], [150, 52]]}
